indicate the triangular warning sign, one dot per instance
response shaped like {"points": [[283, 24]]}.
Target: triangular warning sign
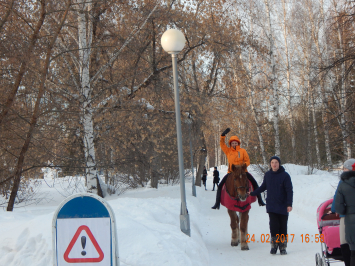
{"points": [[94, 242]]}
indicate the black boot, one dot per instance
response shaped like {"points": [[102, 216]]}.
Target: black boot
{"points": [[255, 186], [352, 259], [282, 247], [274, 245], [218, 199], [346, 253]]}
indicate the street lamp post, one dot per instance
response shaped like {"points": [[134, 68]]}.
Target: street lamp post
{"points": [[173, 41]]}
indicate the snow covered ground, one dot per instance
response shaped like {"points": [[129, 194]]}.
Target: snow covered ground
{"points": [[148, 225]]}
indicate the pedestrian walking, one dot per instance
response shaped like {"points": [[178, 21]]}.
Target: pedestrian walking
{"points": [[215, 177], [279, 199]]}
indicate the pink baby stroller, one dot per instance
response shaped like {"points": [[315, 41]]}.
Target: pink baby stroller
{"points": [[328, 226]]}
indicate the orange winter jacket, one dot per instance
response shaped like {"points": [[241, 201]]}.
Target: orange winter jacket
{"points": [[234, 156]]}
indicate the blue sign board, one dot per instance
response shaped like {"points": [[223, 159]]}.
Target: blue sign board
{"points": [[84, 231]]}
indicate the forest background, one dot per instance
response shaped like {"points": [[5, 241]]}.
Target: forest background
{"points": [[87, 89]]}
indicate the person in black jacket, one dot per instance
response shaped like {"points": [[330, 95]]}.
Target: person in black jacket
{"points": [[345, 205], [344, 246], [215, 177], [279, 199], [204, 176]]}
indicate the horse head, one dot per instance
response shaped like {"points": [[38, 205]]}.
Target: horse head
{"points": [[237, 183]]}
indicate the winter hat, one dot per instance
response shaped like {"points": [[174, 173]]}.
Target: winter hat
{"points": [[234, 138], [349, 164], [276, 158]]}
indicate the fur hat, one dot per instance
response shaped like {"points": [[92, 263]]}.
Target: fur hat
{"points": [[349, 164], [276, 158]]}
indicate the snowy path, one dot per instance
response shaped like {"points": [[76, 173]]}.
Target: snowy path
{"points": [[149, 231], [216, 234]]}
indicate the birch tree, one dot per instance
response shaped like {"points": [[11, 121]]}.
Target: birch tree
{"points": [[316, 36], [273, 77], [288, 80], [84, 46], [342, 96]]}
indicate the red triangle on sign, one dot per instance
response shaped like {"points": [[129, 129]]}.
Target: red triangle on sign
{"points": [[93, 240]]}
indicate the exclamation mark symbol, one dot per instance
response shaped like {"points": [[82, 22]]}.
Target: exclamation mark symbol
{"points": [[83, 243]]}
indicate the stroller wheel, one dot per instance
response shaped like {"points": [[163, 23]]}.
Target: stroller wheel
{"points": [[319, 261]]}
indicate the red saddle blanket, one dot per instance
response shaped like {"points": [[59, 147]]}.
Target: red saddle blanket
{"points": [[237, 205]]}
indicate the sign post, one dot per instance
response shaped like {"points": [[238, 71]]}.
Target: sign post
{"points": [[84, 231]]}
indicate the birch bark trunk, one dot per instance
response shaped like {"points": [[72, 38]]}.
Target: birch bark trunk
{"points": [[253, 106], [275, 107], [343, 101], [258, 125], [325, 103], [315, 131], [288, 80], [84, 42], [323, 92]]}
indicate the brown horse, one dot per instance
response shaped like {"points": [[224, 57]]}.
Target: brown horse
{"points": [[237, 185]]}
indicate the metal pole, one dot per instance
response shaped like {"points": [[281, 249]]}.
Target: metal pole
{"points": [[184, 215], [192, 164]]}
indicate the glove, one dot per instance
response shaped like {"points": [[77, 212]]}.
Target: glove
{"points": [[226, 132], [261, 203]]}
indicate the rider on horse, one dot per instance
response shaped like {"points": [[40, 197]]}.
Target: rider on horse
{"points": [[235, 155]]}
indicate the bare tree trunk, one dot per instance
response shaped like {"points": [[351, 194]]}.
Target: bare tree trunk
{"points": [[324, 108], [201, 164], [315, 131], [275, 106], [254, 108], [85, 40], [207, 162], [288, 79], [215, 150], [154, 177], [309, 127], [343, 101], [34, 118]]}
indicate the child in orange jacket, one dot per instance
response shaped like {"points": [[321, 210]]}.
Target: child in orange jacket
{"points": [[235, 155]]}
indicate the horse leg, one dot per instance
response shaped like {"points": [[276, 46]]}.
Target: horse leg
{"points": [[244, 218], [235, 227]]}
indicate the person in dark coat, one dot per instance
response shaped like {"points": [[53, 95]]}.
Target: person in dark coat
{"points": [[344, 246], [345, 205], [215, 177], [204, 176], [279, 199]]}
